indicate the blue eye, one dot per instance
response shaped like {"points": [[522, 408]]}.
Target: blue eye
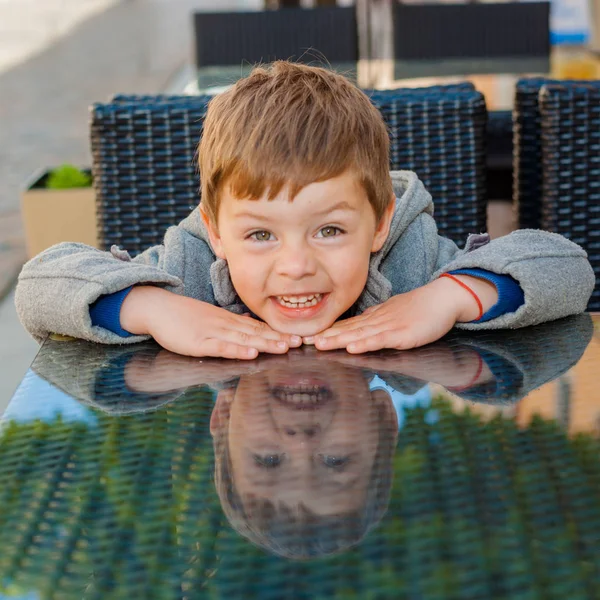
{"points": [[329, 231], [269, 461], [261, 236]]}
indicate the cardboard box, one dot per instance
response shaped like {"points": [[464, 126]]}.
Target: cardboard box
{"points": [[53, 216]]}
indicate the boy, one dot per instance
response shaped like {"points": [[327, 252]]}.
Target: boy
{"points": [[302, 236]]}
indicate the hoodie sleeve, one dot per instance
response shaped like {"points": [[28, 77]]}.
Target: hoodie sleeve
{"points": [[554, 274], [56, 288]]}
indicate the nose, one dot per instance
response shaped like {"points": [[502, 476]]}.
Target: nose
{"points": [[296, 261], [309, 431]]}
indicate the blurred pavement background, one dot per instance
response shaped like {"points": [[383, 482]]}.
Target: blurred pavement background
{"points": [[56, 58]]}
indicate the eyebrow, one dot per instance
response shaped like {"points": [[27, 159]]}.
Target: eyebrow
{"points": [[341, 205]]}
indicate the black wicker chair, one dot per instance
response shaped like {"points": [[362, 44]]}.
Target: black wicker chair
{"points": [[527, 148], [439, 133], [570, 134], [146, 176], [144, 166], [233, 38]]}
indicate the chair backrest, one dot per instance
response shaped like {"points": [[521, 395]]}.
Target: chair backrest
{"points": [[233, 38], [527, 149], [439, 132], [144, 166], [570, 132], [440, 31], [146, 176]]}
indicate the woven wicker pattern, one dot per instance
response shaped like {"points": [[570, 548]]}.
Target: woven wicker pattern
{"points": [[125, 507], [527, 148], [107, 486], [146, 178], [570, 132], [144, 166], [439, 133]]}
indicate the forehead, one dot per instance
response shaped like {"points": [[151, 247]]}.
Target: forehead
{"points": [[343, 192]]}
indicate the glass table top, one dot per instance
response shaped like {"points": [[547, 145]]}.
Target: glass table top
{"points": [[466, 469], [494, 77]]}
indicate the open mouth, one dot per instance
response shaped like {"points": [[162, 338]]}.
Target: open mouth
{"points": [[301, 301], [302, 397]]}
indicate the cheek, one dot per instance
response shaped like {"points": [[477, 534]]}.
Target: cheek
{"points": [[247, 271], [349, 269]]}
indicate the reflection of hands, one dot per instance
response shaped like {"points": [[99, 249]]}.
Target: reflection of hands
{"points": [[168, 371], [409, 320], [452, 366]]}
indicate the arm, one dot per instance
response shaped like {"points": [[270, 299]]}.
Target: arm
{"points": [[56, 288], [554, 274]]}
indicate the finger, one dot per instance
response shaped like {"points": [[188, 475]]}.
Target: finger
{"points": [[249, 340], [342, 338], [223, 349], [368, 344], [260, 329], [352, 324], [396, 339]]}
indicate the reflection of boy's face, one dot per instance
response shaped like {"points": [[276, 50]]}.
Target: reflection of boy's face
{"points": [[305, 435]]}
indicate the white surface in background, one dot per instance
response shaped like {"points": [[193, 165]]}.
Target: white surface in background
{"points": [[29, 26]]}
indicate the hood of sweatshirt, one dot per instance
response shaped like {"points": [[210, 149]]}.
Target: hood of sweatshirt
{"points": [[412, 199]]}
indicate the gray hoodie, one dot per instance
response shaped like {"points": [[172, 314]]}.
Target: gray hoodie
{"points": [[57, 287]]}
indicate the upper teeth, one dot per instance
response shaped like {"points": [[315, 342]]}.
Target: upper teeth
{"points": [[300, 300]]}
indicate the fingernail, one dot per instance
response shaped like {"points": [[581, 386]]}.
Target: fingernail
{"points": [[321, 341], [281, 345], [309, 340], [296, 339]]}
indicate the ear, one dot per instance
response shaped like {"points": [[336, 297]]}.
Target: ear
{"points": [[213, 233], [220, 414], [383, 227]]}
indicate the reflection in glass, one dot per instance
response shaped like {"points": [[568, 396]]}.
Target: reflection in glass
{"points": [[365, 467], [303, 456]]}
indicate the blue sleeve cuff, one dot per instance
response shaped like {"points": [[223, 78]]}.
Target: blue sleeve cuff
{"points": [[106, 312], [510, 294]]}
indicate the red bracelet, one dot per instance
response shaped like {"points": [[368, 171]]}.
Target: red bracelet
{"points": [[473, 381], [466, 287]]}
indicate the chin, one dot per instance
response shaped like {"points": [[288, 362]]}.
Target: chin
{"points": [[303, 329]]}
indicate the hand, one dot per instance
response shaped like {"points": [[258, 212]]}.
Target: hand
{"points": [[451, 365], [194, 328], [409, 320], [168, 372]]}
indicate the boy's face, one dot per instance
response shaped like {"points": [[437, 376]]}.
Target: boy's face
{"points": [[295, 447], [299, 264]]}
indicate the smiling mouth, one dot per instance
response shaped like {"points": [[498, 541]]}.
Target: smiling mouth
{"points": [[302, 397], [300, 301]]}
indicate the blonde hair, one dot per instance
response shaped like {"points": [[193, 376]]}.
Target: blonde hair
{"points": [[292, 124]]}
